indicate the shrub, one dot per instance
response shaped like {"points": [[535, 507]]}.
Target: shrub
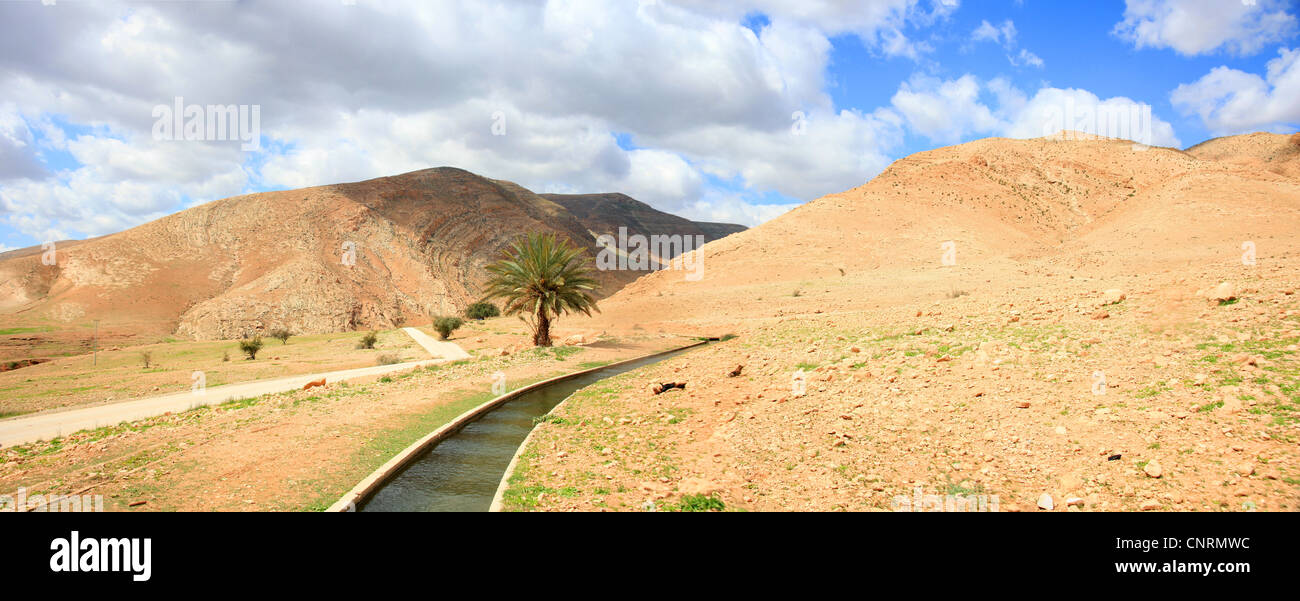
{"points": [[281, 334], [369, 340], [481, 310], [698, 503], [446, 325], [250, 347], [146, 358], [388, 359]]}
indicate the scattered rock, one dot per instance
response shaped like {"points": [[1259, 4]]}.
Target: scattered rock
{"points": [[665, 387], [1223, 292], [1045, 502], [1153, 469], [1113, 296]]}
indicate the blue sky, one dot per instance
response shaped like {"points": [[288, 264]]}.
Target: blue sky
{"points": [[727, 110]]}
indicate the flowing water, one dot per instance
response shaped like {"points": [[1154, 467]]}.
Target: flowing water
{"points": [[461, 473]]}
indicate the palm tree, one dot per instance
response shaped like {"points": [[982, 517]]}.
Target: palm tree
{"points": [[541, 278]]}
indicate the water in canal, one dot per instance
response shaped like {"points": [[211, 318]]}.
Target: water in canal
{"points": [[462, 472]]}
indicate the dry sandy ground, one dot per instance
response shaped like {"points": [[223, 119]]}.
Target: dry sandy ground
{"points": [[119, 373], [952, 397], [290, 451], [977, 376]]}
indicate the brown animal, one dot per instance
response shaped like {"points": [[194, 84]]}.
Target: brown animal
{"points": [[735, 372], [311, 385]]}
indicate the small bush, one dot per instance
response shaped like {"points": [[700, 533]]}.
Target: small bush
{"points": [[388, 359], [368, 341], [146, 358], [250, 347], [482, 310], [446, 325], [697, 503], [225, 356], [282, 335]]}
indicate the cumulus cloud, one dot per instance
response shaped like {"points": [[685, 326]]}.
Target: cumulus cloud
{"points": [[948, 111], [944, 111], [1229, 101], [17, 152], [702, 96], [1193, 27]]}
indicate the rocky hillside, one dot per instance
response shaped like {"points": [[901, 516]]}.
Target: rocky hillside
{"points": [[370, 254], [606, 213], [1270, 152]]}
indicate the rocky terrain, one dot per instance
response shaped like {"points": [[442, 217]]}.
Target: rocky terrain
{"points": [[372, 254], [1054, 325], [606, 213]]}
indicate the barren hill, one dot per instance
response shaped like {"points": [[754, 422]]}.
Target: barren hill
{"points": [[370, 254], [1009, 208], [1118, 328], [1271, 152]]}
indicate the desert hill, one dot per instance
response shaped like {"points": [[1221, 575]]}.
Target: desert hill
{"points": [[1118, 330], [1271, 152], [370, 254], [1085, 208]]}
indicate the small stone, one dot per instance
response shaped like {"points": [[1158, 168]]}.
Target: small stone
{"points": [[1045, 502], [1153, 469], [1223, 292], [1246, 469]]}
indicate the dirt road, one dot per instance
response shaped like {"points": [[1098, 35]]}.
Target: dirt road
{"points": [[53, 424]]}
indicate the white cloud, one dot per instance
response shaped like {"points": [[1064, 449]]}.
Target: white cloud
{"points": [[953, 110], [17, 151], [1193, 27], [1026, 57], [1005, 36], [1229, 101], [944, 111]]}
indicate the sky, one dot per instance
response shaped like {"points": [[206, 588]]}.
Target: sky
{"points": [[716, 110]]}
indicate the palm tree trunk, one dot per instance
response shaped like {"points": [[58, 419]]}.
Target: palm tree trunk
{"points": [[542, 336]]}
